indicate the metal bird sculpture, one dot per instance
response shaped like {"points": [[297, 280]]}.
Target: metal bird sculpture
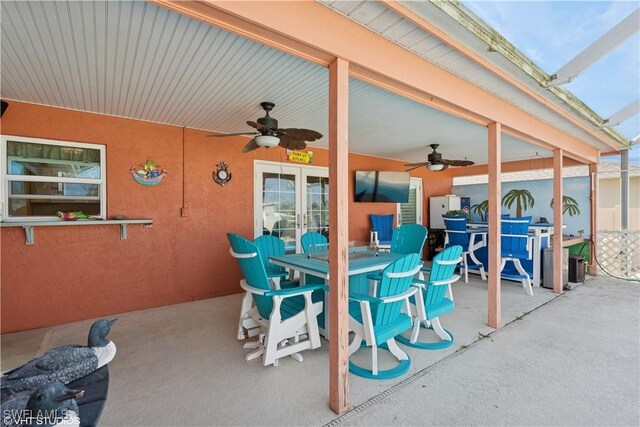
{"points": [[48, 405], [65, 364]]}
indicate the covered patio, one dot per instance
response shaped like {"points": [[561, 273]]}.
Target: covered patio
{"points": [[188, 354], [381, 85]]}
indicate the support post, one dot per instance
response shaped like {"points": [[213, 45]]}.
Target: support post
{"points": [[624, 190], [593, 177], [495, 201], [338, 235], [557, 221]]}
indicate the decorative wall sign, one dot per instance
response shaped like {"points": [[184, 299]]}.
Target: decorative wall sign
{"points": [[149, 174], [299, 156], [222, 175]]}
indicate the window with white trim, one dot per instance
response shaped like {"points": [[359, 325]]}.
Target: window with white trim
{"points": [[42, 177]]}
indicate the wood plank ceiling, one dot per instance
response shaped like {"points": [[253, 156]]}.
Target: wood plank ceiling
{"points": [[136, 60]]}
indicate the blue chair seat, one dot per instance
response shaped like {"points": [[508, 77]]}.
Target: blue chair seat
{"points": [[384, 242], [443, 307], [517, 254]]}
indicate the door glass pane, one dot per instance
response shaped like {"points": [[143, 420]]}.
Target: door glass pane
{"points": [[408, 210], [279, 207], [318, 204]]}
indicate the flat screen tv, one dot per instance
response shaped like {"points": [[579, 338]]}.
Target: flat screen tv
{"points": [[382, 186]]}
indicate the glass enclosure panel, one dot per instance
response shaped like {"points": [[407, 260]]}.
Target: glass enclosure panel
{"points": [[26, 207], [317, 209], [25, 158], [53, 189], [279, 207]]}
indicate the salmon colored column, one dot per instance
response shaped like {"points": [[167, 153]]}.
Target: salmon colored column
{"points": [[338, 235], [495, 201], [557, 221], [593, 179]]}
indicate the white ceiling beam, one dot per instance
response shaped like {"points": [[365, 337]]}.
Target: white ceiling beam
{"points": [[598, 49], [622, 115]]}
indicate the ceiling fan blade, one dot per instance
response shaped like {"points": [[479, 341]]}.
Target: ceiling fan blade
{"points": [[415, 167], [291, 143], [300, 134], [417, 164], [232, 134], [457, 162], [252, 145], [259, 127]]}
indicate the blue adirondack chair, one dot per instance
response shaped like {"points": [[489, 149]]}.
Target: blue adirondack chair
{"points": [[286, 317], [269, 246], [378, 320], [431, 302], [312, 241], [381, 230], [515, 246], [456, 234]]}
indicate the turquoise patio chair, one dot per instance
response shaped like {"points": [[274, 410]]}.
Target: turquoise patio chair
{"points": [[406, 239], [311, 239], [456, 234], [286, 317], [381, 230], [431, 302], [515, 245], [269, 246], [378, 320]]}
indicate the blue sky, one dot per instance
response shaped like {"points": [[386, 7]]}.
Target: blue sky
{"points": [[553, 32]]}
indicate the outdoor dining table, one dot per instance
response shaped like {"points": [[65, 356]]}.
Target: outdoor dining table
{"points": [[362, 261]]}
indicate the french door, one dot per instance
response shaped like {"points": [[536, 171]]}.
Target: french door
{"points": [[290, 200]]}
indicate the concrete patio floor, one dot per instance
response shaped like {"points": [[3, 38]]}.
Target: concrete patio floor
{"points": [[574, 360]]}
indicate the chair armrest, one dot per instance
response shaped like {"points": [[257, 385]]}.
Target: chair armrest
{"points": [[363, 297], [282, 274], [400, 297], [290, 292], [424, 283]]}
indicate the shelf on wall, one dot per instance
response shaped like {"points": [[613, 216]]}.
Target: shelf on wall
{"points": [[29, 225]]}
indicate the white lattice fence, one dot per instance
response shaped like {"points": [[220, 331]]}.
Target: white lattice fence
{"points": [[618, 253]]}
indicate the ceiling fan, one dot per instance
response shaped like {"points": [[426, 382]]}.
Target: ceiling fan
{"points": [[269, 135], [436, 163]]}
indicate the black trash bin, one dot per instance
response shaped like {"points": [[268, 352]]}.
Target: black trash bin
{"points": [[576, 268]]}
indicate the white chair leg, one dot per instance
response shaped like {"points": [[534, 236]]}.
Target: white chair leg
{"points": [[415, 331], [355, 344], [449, 293], [296, 356], [374, 359], [526, 282], [245, 306], [437, 327], [483, 273], [276, 283], [395, 350]]}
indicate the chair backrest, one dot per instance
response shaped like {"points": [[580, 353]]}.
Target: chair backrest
{"points": [[408, 239], [383, 314], [253, 270], [383, 224], [312, 238], [270, 246], [443, 267], [514, 236], [456, 229]]}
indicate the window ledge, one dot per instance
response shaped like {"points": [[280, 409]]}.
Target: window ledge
{"points": [[29, 225]]}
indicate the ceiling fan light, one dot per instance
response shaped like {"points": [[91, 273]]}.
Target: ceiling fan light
{"points": [[267, 140], [435, 166]]}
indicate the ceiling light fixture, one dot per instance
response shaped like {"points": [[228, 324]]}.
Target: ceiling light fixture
{"points": [[435, 167], [267, 140]]}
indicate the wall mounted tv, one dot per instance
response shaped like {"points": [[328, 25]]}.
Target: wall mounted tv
{"points": [[382, 186]]}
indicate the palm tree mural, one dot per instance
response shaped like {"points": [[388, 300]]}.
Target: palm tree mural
{"points": [[481, 209], [569, 204], [522, 198]]}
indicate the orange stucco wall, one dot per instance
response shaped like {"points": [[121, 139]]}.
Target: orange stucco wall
{"points": [[73, 273]]}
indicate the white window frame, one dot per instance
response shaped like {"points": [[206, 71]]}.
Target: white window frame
{"points": [[6, 178]]}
